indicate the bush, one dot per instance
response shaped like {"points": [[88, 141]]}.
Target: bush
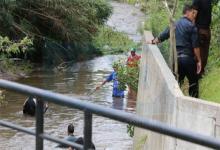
{"points": [[127, 75], [110, 41], [9, 48]]}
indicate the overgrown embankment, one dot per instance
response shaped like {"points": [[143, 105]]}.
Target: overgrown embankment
{"points": [[60, 31]]}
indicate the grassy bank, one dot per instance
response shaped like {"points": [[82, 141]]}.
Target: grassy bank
{"points": [[210, 85], [11, 70], [109, 41]]}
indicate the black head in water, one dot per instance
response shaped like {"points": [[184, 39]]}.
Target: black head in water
{"points": [[30, 106]]}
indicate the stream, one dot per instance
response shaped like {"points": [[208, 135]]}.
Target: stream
{"points": [[79, 80]]}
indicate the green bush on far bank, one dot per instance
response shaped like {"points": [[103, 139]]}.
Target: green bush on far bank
{"points": [[11, 67], [110, 41]]}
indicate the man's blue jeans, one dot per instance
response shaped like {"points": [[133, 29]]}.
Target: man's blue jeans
{"points": [[187, 68]]}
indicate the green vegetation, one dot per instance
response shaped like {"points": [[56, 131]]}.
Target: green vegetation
{"points": [[111, 42], [60, 20], [14, 66], [141, 142], [127, 75], [128, 1], [8, 47], [62, 30], [210, 86], [130, 130]]}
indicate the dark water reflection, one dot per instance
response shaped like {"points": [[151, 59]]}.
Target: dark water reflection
{"points": [[78, 81]]}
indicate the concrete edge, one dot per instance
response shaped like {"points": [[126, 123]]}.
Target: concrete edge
{"points": [[168, 76]]}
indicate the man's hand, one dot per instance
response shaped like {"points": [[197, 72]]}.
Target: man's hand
{"points": [[199, 67], [154, 41], [198, 60], [98, 87]]}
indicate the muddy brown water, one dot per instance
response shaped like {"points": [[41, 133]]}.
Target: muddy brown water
{"points": [[79, 80]]}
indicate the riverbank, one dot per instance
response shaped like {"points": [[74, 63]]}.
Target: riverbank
{"points": [[13, 70]]}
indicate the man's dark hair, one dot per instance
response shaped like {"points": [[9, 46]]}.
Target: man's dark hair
{"points": [[187, 7], [70, 128]]}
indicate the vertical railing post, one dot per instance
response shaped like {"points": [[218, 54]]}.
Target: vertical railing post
{"points": [[87, 130], [39, 124]]}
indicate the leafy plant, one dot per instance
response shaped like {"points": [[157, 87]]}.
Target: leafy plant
{"points": [[9, 47], [110, 41], [61, 20], [70, 24], [130, 130], [127, 75]]}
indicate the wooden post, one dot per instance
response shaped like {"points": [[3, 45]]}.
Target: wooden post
{"points": [[173, 62]]}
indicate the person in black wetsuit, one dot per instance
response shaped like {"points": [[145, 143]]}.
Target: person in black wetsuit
{"points": [[30, 106], [187, 45]]}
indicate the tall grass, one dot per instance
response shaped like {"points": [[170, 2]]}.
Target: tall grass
{"points": [[110, 41]]}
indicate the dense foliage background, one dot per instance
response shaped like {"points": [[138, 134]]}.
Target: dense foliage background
{"points": [[61, 30]]}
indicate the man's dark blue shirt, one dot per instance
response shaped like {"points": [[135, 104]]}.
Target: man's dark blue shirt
{"points": [[186, 37]]}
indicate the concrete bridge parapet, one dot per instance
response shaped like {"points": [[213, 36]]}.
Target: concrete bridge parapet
{"points": [[160, 98]]}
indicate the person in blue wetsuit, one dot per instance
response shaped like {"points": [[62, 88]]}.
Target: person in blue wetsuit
{"points": [[113, 77]]}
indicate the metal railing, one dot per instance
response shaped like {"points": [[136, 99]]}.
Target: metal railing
{"points": [[89, 109]]}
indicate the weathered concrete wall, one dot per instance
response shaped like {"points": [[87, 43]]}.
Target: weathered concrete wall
{"points": [[160, 98]]}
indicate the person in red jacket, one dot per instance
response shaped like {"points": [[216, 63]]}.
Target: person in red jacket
{"points": [[132, 63], [133, 59]]}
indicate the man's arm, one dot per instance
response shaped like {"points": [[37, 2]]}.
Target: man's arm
{"points": [[162, 37], [196, 49], [198, 59], [109, 78]]}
